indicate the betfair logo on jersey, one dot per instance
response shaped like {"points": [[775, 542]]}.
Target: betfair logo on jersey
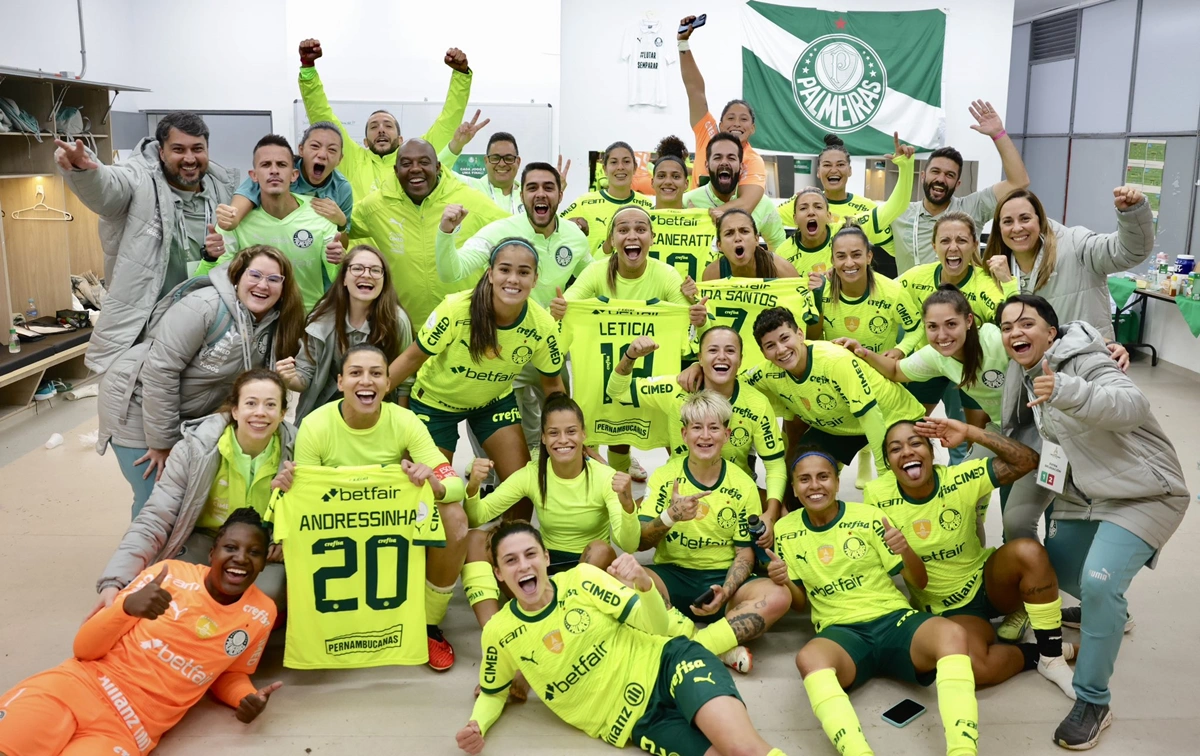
{"points": [[188, 668], [579, 670], [487, 376], [491, 660], [923, 528], [688, 542], [577, 620], [841, 585], [942, 555], [369, 642], [855, 547], [600, 592], [950, 519], [839, 83]]}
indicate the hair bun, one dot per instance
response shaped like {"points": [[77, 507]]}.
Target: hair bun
{"points": [[833, 140], [672, 146]]}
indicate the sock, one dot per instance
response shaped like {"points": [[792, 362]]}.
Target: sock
{"points": [[619, 462], [832, 707], [1046, 621], [479, 583], [957, 704], [866, 468], [776, 752], [679, 626], [717, 637], [1030, 652], [437, 601]]}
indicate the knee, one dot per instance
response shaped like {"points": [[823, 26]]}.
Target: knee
{"points": [[952, 638], [779, 601], [598, 554], [1031, 554], [1103, 600], [454, 520], [809, 661], [477, 546]]}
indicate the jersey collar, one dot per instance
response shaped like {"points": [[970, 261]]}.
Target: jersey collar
{"points": [[848, 200], [818, 248], [937, 486], [866, 295], [614, 200], [937, 276], [737, 387], [520, 319], [808, 523], [808, 365], [688, 474], [543, 614]]}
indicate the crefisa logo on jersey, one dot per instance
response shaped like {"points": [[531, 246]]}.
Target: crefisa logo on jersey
{"points": [[839, 83], [237, 642], [302, 239]]}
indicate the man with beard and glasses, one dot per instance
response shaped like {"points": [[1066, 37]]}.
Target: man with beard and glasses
{"points": [[369, 165], [403, 215], [156, 210], [913, 231], [502, 163], [563, 253], [723, 159]]}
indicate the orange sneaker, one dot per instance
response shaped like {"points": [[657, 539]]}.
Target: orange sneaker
{"points": [[441, 653]]}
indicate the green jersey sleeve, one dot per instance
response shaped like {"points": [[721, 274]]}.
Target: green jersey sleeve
{"points": [[442, 130], [442, 328], [624, 527], [650, 613], [497, 671], [922, 365], [590, 284], [878, 222], [892, 562], [605, 593]]}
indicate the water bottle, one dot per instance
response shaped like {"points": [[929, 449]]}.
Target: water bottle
{"points": [[14, 341], [31, 311], [757, 528]]}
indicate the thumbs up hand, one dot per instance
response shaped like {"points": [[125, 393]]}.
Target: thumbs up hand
{"points": [[895, 540], [254, 703], [558, 305], [777, 569], [150, 601], [1043, 385], [214, 243]]}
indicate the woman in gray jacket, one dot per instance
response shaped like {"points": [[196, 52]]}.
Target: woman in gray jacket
{"points": [[360, 307], [1069, 267], [1122, 495], [224, 462], [201, 336]]}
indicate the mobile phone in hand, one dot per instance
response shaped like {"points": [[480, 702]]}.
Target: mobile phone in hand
{"points": [[704, 598], [703, 17]]}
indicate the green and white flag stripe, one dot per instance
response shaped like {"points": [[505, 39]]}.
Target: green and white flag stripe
{"points": [[860, 74]]}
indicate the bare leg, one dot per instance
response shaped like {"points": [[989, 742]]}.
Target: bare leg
{"points": [[756, 606], [598, 554], [726, 723], [506, 448], [1020, 573], [991, 662]]}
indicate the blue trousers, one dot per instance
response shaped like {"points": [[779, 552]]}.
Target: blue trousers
{"points": [[1096, 562], [126, 457]]}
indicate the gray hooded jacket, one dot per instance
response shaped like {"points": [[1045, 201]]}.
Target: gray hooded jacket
{"points": [[1078, 287], [164, 524], [1123, 468], [131, 199], [201, 338]]}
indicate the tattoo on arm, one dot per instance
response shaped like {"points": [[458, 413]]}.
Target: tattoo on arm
{"points": [[652, 533], [1013, 458], [739, 571]]}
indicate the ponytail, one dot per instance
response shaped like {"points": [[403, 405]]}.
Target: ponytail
{"points": [[484, 341], [949, 294]]}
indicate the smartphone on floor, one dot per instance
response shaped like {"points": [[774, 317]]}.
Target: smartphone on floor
{"points": [[903, 713]]}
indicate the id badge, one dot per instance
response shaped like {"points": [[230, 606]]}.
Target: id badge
{"points": [[1052, 471]]}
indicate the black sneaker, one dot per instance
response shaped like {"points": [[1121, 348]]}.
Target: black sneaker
{"points": [[1080, 731], [1073, 615]]}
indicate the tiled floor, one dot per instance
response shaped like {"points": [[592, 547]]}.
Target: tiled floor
{"points": [[63, 511]]}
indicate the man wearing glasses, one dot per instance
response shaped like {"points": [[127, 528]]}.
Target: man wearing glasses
{"points": [[283, 220], [503, 164]]}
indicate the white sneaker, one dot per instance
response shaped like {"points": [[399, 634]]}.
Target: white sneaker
{"points": [[636, 471], [1056, 670], [739, 659]]}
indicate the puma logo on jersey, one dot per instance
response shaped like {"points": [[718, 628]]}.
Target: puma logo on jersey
{"points": [[707, 678], [176, 611]]}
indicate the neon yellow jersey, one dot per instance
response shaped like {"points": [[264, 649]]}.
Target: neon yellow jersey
{"points": [[597, 332], [764, 215], [844, 567], [853, 206], [941, 530], [659, 281], [875, 319], [980, 289], [711, 540], [754, 426], [574, 513], [736, 302], [683, 239], [928, 363], [450, 380], [324, 439], [354, 542], [589, 668], [598, 207]]}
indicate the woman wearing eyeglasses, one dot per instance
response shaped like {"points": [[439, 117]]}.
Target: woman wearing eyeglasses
{"points": [[360, 307], [201, 336]]}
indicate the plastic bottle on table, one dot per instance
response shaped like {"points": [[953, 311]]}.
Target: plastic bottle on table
{"points": [[31, 312], [14, 341]]}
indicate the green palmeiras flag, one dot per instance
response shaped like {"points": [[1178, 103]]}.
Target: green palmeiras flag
{"points": [[862, 75]]}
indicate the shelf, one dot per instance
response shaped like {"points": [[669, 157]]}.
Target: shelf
{"points": [[48, 134]]}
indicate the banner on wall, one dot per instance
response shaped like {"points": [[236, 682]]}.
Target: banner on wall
{"points": [[861, 75]]}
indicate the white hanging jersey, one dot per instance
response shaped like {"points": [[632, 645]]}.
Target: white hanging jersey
{"points": [[647, 51]]}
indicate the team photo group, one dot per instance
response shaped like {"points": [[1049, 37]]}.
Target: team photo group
{"points": [[289, 360]]}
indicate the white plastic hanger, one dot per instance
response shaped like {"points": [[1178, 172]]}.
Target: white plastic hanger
{"points": [[41, 206]]}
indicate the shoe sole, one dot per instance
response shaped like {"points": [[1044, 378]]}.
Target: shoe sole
{"points": [[1015, 638], [440, 669], [1089, 745]]}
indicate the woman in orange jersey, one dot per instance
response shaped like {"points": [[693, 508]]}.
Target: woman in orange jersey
{"points": [[176, 632]]}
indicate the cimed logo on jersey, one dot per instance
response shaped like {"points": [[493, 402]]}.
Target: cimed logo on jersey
{"points": [[839, 83]]}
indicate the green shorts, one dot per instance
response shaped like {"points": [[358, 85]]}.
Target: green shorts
{"points": [[979, 606], [561, 561], [930, 391], [968, 402], [689, 676], [685, 585], [882, 647], [443, 424], [842, 448]]}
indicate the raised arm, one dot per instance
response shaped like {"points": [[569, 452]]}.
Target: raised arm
{"points": [[1106, 398], [987, 121], [442, 130], [1013, 459], [878, 222], [312, 93], [1129, 246], [456, 264], [406, 365], [693, 82], [104, 189], [888, 367]]}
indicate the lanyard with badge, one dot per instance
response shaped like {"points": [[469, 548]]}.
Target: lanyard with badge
{"points": [[184, 238], [1019, 274], [1053, 466]]}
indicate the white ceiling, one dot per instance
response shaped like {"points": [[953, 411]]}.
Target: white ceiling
{"points": [[1026, 8]]}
